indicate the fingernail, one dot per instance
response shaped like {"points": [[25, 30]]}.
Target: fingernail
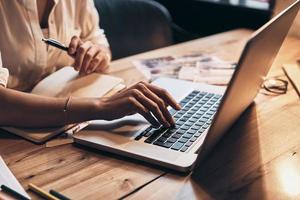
{"points": [[72, 50], [167, 125]]}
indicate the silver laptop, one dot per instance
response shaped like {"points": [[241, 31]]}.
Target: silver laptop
{"points": [[207, 111]]}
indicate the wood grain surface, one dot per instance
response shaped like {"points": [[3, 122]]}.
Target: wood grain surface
{"points": [[259, 158]]}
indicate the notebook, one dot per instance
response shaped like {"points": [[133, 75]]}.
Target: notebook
{"points": [[8, 179], [63, 83]]}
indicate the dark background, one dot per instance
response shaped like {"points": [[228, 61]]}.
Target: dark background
{"points": [[198, 18]]}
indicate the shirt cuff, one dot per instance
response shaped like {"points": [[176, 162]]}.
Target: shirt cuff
{"points": [[3, 76]]}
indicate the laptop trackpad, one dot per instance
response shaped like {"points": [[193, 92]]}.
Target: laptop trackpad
{"points": [[115, 132]]}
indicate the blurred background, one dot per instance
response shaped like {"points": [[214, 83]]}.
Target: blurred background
{"points": [[135, 26]]}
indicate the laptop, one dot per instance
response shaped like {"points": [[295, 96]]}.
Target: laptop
{"points": [[207, 111]]}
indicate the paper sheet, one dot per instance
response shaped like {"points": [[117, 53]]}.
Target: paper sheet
{"points": [[8, 179], [203, 68]]}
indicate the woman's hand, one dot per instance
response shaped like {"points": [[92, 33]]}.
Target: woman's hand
{"points": [[148, 100], [89, 57]]}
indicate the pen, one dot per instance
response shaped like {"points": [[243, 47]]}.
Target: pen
{"points": [[55, 43], [13, 193], [59, 195], [41, 192]]}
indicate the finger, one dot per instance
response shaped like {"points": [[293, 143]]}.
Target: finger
{"points": [[73, 45], [148, 93], [103, 67], [89, 56], [144, 112], [96, 62], [80, 53], [151, 106], [165, 95]]}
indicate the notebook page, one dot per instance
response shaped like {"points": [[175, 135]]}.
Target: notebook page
{"points": [[8, 179], [66, 82]]}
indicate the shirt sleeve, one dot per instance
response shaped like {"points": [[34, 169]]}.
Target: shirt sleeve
{"points": [[89, 22], [3, 74]]}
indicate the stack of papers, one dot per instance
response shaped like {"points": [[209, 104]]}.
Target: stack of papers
{"points": [[203, 68]]}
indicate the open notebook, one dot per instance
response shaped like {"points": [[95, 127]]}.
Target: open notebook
{"points": [[63, 83], [8, 179]]}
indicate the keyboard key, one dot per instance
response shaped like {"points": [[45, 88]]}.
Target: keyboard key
{"points": [[173, 130], [180, 122], [188, 115], [162, 139], [210, 95], [177, 146], [203, 109], [159, 143], [167, 134], [172, 140], [189, 123], [183, 140], [205, 126], [188, 144], [198, 115], [197, 134], [199, 123], [206, 116], [188, 106], [193, 139], [180, 113], [182, 104], [176, 117], [167, 144], [193, 120], [183, 149], [210, 113], [185, 109], [201, 130], [185, 127], [192, 131], [213, 109], [176, 136], [187, 135], [195, 92], [185, 118], [203, 120], [172, 111], [196, 127], [181, 131]]}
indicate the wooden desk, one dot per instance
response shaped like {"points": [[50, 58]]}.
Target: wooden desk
{"points": [[258, 159]]}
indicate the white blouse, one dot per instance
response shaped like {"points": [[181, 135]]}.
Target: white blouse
{"points": [[27, 58]]}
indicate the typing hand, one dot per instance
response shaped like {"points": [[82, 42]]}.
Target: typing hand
{"points": [[142, 98], [89, 57]]}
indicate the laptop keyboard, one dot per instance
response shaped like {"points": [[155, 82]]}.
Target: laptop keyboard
{"points": [[196, 115]]}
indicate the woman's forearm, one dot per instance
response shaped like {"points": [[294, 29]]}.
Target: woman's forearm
{"points": [[28, 110]]}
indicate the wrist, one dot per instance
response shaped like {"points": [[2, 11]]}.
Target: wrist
{"points": [[98, 108]]}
